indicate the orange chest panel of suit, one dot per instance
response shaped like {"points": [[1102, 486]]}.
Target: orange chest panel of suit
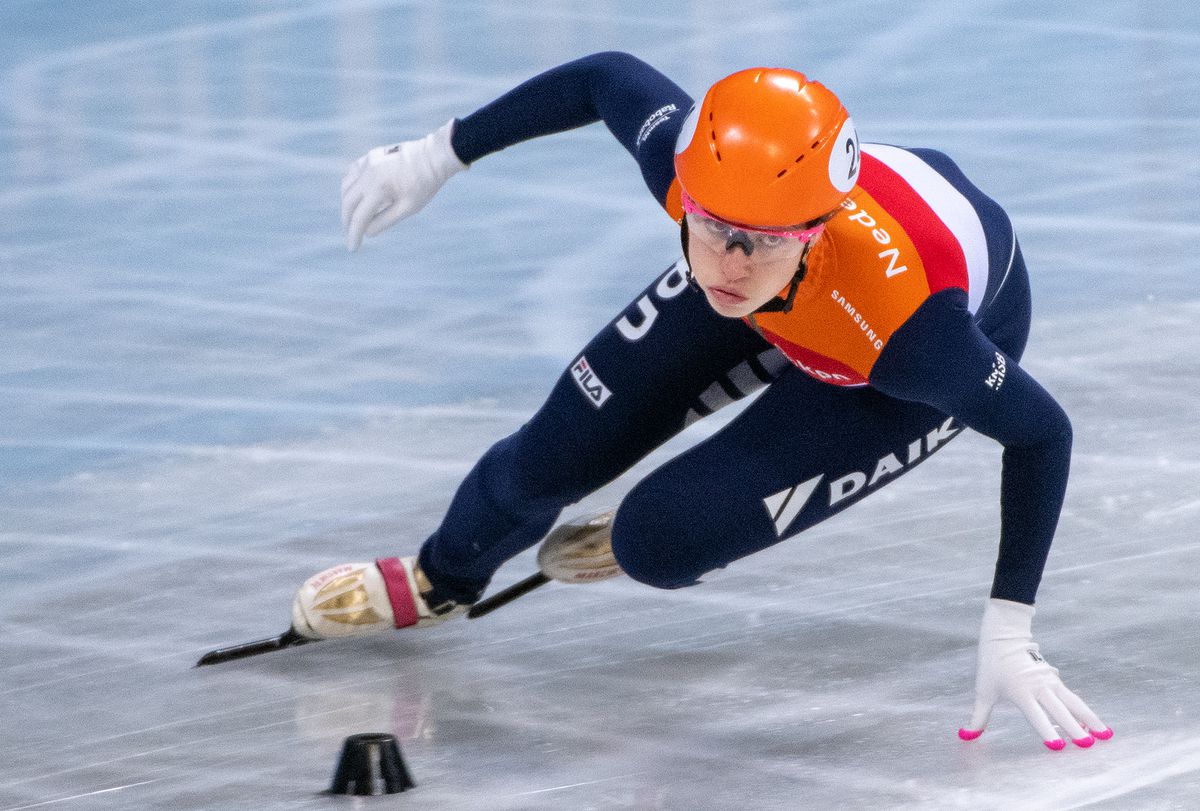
{"points": [[874, 266]]}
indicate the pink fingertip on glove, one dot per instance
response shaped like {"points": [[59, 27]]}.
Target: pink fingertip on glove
{"points": [[969, 734], [1102, 734], [1084, 742], [1056, 745]]}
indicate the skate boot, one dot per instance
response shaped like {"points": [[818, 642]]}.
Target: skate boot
{"points": [[580, 551], [356, 599]]}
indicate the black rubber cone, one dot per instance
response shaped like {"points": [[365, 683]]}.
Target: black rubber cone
{"points": [[371, 764]]}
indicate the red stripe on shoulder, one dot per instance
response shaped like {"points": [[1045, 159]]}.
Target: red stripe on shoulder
{"points": [[940, 252]]}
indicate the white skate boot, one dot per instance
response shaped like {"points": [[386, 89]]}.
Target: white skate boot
{"points": [[356, 599]]}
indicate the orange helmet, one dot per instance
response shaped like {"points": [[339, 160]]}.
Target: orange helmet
{"points": [[768, 148]]}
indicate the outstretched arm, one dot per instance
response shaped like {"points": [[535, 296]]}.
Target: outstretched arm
{"points": [[640, 106], [940, 357]]}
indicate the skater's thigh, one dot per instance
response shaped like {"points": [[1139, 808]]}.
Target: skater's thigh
{"points": [[802, 452], [666, 360]]}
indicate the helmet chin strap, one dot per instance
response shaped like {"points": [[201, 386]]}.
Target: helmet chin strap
{"points": [[783, 304], [779, 304], [687, 261]]}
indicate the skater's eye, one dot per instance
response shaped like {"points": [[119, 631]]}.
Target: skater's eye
{"points": [[716, 229], [769, 242]]}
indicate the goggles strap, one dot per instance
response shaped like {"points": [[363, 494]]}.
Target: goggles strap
{"points": [[687, 262]]}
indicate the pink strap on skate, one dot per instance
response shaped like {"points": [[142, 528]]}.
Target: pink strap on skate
{"points": [[395, 580]]}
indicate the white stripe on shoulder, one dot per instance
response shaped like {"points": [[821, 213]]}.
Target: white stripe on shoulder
{"points": [[951, 207]]}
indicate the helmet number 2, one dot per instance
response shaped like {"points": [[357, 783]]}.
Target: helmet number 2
{"points": [[845, 160]]}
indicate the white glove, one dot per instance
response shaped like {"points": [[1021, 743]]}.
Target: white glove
{"points": [[1010, 666], [392, 182], [355, 599]]}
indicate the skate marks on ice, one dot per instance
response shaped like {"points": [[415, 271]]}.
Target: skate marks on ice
{"points": [[204, 402]]}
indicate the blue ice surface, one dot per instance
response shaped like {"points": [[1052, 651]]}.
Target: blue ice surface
{"points": [[204, 398]]}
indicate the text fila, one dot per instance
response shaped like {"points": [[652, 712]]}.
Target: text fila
{"points": [[585, 378]]}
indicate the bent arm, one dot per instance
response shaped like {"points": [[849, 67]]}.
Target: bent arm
{"points": [[640, 106], [940, 357]]}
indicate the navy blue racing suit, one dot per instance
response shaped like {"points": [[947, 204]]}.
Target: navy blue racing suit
{"points": [[843, 413]]}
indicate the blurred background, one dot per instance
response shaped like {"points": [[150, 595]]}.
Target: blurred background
{"points": [[204, 399]]}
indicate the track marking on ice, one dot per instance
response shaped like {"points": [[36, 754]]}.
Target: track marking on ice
{"points": [[252, 453], [577, 785], [1079, 783], [1156, 763], [58, 800], [94, 397], [722, 637], [224, 736]]}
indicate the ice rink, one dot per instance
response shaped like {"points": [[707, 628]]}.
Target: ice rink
{"points": [[204, 399]]}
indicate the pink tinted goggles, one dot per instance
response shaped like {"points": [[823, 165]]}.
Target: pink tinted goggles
{"points": [[690, 206]]}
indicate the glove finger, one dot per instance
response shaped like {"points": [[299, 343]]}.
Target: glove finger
{"points": [[1038, 719], [385, 219], [350, 201], [979, 718], [353, 172], [1083, 712], [1063, 717], [364, 212]]}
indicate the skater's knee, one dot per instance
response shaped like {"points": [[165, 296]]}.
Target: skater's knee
{"points": [[645, 564], [655, 544]]}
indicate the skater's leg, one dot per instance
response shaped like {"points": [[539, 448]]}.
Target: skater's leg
{"points": [[665, 361], [801, 453]]}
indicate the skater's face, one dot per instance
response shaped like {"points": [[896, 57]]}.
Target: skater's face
{"points": [[740, 269], [736, 284]]}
